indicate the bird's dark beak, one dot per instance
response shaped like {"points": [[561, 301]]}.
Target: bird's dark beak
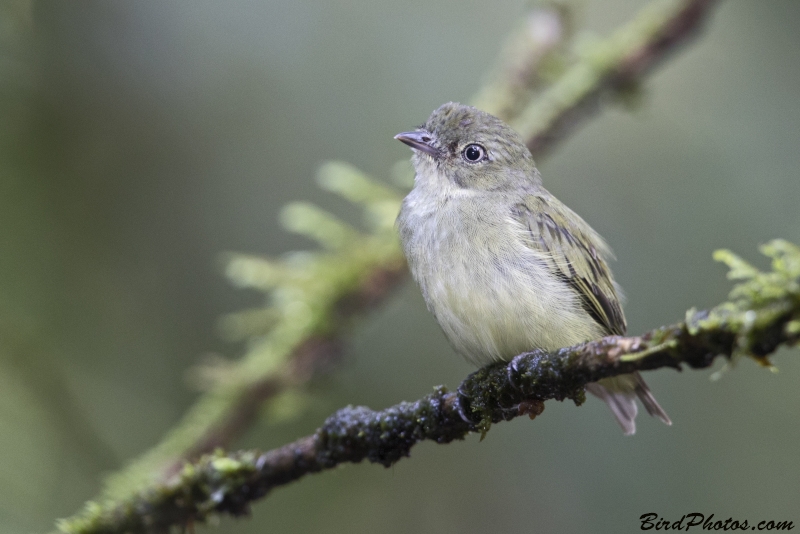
{"points": [[419, 140]]}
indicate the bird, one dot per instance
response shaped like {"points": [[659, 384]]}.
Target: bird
{"points": [[502, 264]]}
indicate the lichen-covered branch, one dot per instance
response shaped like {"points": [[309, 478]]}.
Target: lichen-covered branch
{"points": [[312, 297], [612, 67], [763, 313]]}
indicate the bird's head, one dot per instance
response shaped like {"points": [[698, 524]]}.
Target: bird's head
{"points": [[470, 149]]}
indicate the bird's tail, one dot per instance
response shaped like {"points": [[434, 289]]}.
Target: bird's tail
{"points": [[620, 393]]}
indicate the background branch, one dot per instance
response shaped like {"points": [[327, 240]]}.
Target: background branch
{"points": [[763, 313], [610, 68]]}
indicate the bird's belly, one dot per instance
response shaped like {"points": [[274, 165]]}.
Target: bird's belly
{"points": [[495, 298]]}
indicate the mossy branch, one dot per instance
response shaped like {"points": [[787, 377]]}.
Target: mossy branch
{"points": [[763, 313], [312, 298], [613, 68]]}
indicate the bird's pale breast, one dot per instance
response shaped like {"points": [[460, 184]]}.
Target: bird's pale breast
{"points": [[492, 294]]}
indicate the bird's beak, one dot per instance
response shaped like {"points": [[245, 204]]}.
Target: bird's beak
{"points": [[419, 140]]}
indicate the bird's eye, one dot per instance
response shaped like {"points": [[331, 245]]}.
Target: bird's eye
{"points": [[474, 153]]}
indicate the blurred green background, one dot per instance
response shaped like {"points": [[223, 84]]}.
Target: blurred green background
{"points": [[139, 140]]}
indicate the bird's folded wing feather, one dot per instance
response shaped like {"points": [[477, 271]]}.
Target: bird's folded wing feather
{"points": [[576, 253]]}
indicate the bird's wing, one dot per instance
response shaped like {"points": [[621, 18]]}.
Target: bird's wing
{"points": [[576, 253]]}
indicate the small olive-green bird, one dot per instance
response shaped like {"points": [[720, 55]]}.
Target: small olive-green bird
{"points": [[502, 264]]}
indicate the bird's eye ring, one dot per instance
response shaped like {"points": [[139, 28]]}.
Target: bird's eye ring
{"points": [[474, 153]]}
